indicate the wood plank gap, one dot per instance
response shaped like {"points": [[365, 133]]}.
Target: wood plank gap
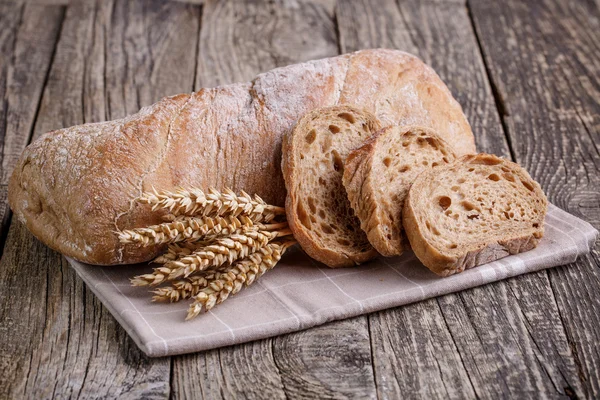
{"points": [[498, 99], [368, 316], [197, 53]]}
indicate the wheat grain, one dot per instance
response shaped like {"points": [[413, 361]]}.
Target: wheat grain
{"points": [[214, 203], [242, 272]]}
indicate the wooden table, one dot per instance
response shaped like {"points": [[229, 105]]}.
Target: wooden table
{"points": [[527, 74]]}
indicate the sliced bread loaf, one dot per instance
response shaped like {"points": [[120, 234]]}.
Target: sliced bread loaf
{"points": [[474, 211], [378, 175], [317, 207]]}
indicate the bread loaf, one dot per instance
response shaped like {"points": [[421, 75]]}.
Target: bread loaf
{"points": [[378, 175], [73, 187], [472, 212], [317, 208]]}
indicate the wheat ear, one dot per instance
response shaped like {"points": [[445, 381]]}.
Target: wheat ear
{"points": [[186, 229], [225, 250], [214, 203], [184, 289], [190, 258], [242, 272]]}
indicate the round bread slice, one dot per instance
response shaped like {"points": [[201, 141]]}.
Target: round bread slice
{"points": [[474, 211], [378, 175], [317, 207]]}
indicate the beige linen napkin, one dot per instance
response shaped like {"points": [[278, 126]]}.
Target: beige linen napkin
{"points": [[300, 293]]}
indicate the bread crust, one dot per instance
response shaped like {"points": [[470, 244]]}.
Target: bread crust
{"points": [[73, 188], [444, 262], [379, 204]]}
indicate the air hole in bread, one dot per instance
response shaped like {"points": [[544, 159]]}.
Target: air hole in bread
{"points": [[494, 177], [432, 142], [452, 246], [473, 216], [528, 185], [425, 162], [348, 117], [338, 164], [311, 205], [322, 182], [461, 180], [434, 164], [404, 168], [467, 205], [334, 129], [303, 216], [326, 228], [508, 177], [387, 161], [405, 143], [322, 214], [311, 136], [455, 188], [471, 169], [343, 242], [326, 144], [445, 202], [435, 231], [536, 225]]}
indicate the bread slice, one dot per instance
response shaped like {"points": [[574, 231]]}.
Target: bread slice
{"points": [[317, 207], [474, 211], [378, 175]]}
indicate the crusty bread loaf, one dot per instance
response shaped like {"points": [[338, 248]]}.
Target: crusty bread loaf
{"points": [[378, 175], [474, 211], [73, 188], [317, 207]]}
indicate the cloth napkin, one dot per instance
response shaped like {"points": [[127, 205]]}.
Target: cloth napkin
{"points": [[300, 293]]}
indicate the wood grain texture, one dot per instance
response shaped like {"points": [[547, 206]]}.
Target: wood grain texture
{"points": [[515, 344], [555, 66], [239, 40], [57, 340], [28, 36]]}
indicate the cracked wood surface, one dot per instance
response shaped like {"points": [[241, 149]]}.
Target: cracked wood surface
{"points": [[526, 75]]}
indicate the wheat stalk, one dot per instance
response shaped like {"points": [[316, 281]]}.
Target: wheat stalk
{"points": [[242, 272], [214, 203]]}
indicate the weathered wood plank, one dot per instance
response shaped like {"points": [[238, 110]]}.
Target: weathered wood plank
{"points": [[331, 361], [237, 41], [28, 36], [57, 340], [550, 86], [507, 337], [241, 39]]}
